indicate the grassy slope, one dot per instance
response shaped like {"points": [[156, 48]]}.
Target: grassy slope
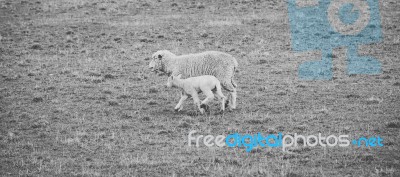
{"points": [[76, 97]]}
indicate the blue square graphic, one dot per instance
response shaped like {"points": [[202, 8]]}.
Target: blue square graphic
{"points": [[327, 24]]}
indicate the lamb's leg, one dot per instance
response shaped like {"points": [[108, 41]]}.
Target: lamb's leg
{"points": [[196, 101], [179, 106], [209, 97]]}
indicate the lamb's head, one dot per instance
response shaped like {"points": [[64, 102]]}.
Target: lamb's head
{"points": [[172, 80], [158, 60]]}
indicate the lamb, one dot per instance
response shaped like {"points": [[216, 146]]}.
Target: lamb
{"points": [[218, 64], [192, 86]]}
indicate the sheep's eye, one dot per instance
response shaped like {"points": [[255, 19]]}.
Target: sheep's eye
{"points": [[159, 56]]}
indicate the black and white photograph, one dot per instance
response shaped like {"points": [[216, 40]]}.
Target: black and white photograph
{"points": [[288, 88]]}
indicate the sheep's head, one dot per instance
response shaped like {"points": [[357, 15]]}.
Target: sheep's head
{"points": [[158, 59], [172, 80]]}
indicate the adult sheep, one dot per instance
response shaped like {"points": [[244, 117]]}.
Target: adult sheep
{"points": [[218, 64]]}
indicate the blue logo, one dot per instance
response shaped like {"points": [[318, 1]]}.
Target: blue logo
{"points": [[328, 24]]}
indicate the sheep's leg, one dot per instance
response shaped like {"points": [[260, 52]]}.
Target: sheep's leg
{"points": [[179, 106], [233, 98], [221, 98], [231, 101], [196, 101]]}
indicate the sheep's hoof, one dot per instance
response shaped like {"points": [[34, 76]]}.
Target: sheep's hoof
{"points": [[205, 107], [177, 110]]}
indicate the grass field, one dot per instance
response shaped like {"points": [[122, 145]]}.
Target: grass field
{"points": [[77, 97]]}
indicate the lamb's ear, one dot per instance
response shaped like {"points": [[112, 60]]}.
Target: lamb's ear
{"points": [[159, 56], [179, 76]]}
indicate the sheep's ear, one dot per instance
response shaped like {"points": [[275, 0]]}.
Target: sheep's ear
{"points": [[159, 57], [179, 76]]}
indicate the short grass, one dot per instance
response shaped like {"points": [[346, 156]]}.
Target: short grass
{"points": [[77, 98]]}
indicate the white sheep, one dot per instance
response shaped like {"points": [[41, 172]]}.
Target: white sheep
{"points": [[192, 86], [218, 64]]}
